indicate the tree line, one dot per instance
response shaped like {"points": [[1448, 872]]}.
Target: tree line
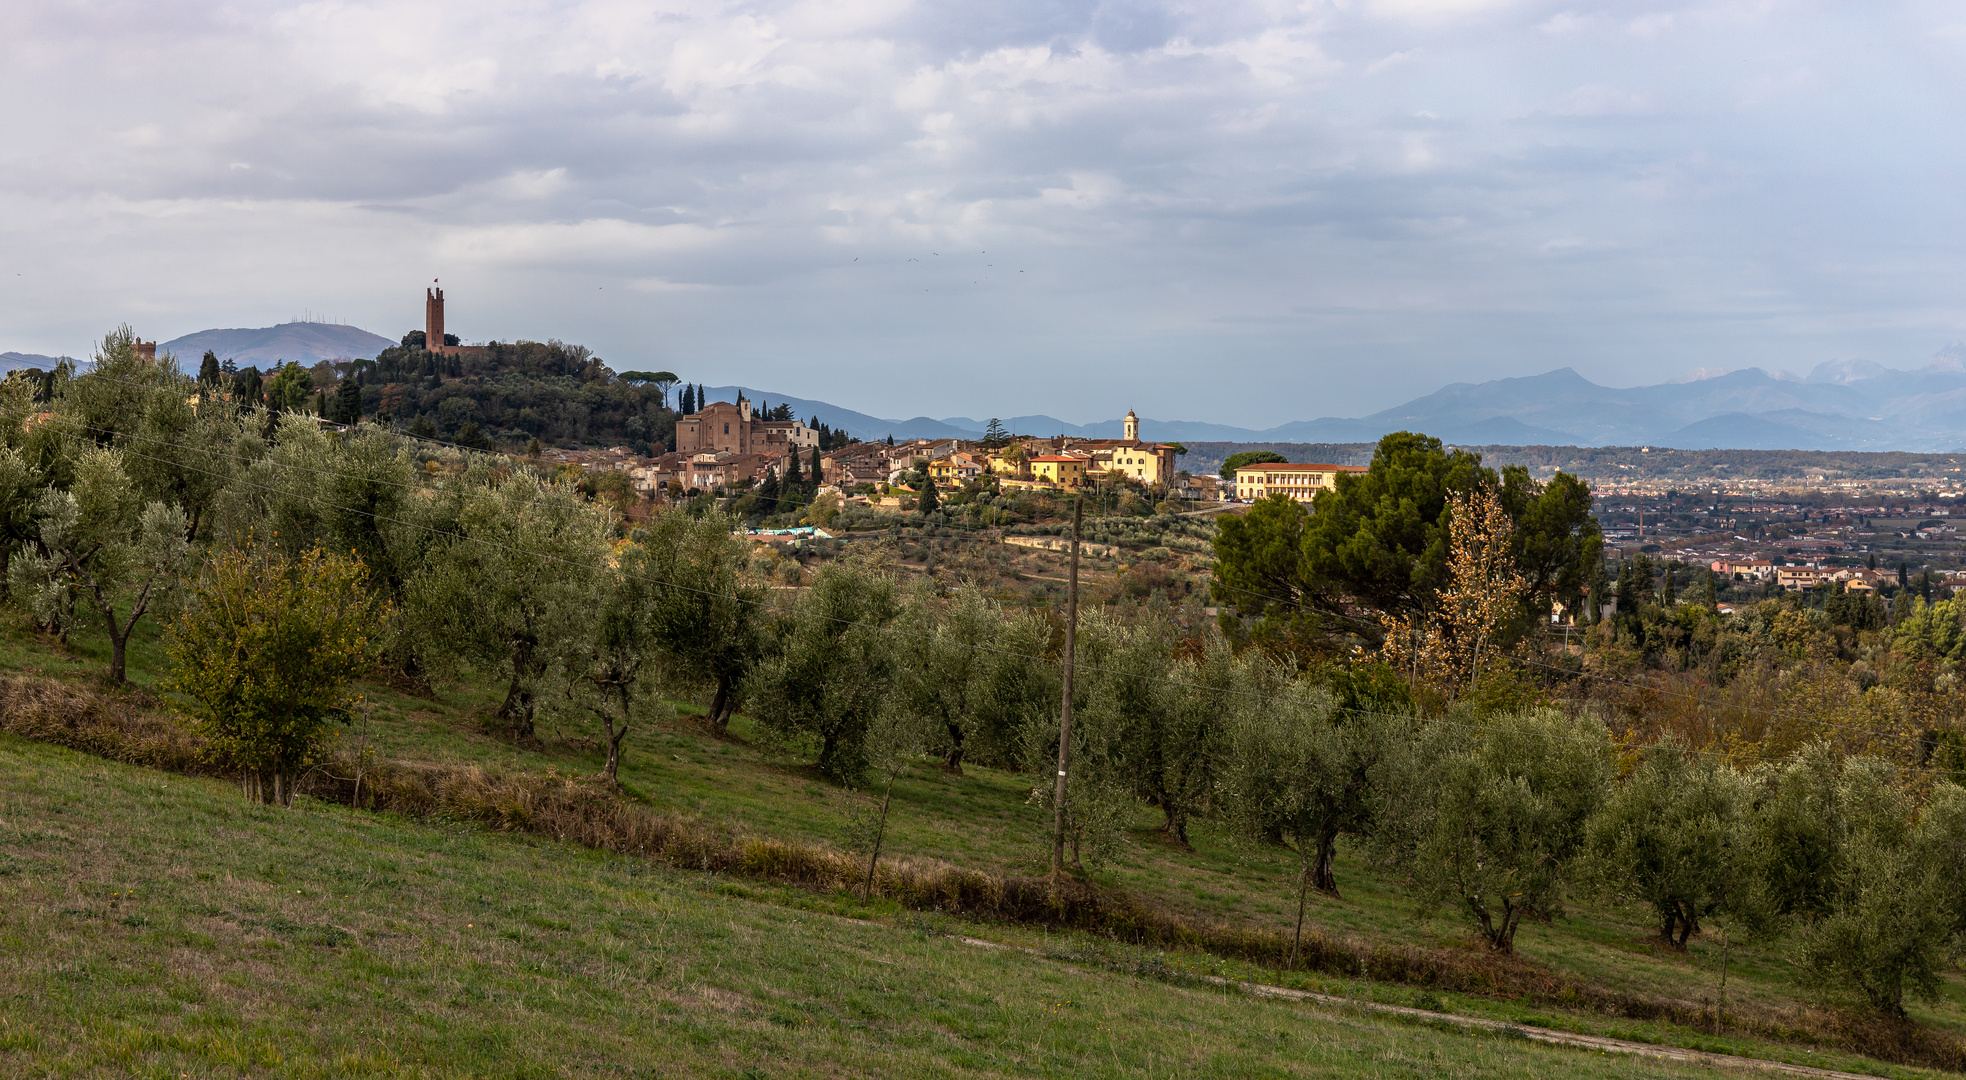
{"points": [[1371, 693]]}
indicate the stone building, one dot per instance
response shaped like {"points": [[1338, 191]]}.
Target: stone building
{"points": [[1301, 482], [721, 427], [433, 328]]}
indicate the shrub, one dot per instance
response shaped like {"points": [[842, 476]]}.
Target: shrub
{"points": [[266, 650]]}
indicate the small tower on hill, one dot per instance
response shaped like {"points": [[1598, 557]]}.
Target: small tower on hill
{"points": [[433, 319], [1132, 426]]}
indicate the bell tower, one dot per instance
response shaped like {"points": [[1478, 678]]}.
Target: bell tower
{"points": [[1132, 422], [433, 320]]}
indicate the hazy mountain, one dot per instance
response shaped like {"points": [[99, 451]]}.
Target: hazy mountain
{"points": [[19, 361], [303, 342], [1840, 405]]}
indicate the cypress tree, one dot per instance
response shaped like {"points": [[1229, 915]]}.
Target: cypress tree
{"points": [[927, 501], [766, 497], [817, 472], [793, 480], [208, 371]]}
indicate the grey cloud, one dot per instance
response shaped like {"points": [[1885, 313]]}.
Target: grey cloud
{"points": [[1201, 197]]}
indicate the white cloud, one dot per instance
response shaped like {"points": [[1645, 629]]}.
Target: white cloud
{"points": [[1391, 60]]}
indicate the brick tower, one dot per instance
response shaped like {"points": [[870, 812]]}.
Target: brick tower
{"points": [[433, 320]]}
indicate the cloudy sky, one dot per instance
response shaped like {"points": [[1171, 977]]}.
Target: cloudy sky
{"points": [[1246, 213]]}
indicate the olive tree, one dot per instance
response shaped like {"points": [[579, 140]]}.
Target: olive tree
{"points": [[1884, 909], [180, 455], [895, 737], [1176, 748], [703, 614], [1941, 840], [266, 650], [830, 665], [21, 484], [1015, 687], [101, 544], [608, 663], [1508, 818], [1799, 834], [112, 397], [511, 586], [1303, 770], [1675, 834], [944, 656], [1100, 792]]}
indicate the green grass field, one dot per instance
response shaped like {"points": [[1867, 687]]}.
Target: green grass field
{"points": [[980, 819], [159, 926]]}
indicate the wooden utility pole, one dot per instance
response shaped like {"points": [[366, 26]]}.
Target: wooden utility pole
{"points": [[1065, 709]]}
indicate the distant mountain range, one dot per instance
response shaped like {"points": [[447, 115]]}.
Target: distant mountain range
{"points": [[1841, 405], [306, 343], [1844, 405]]}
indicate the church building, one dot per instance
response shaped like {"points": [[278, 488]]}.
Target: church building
{"points": [[721, 427]]}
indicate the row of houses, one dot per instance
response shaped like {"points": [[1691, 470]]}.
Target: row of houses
{"points": [[1800, 577], [723, 446], [1065, 462]]}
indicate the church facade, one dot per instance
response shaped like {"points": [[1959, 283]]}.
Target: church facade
{"points": [[723, 428]]}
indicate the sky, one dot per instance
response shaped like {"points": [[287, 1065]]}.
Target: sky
{"points": [[1242, 213]]}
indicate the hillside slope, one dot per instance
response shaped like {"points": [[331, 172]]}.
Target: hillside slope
{"points": [[162, 926]]}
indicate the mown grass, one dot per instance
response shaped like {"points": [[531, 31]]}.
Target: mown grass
{"points": [[982, 820], [160, 926]]}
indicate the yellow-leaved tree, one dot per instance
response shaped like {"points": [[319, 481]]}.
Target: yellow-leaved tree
{"points": [[267, 649], [1451, 645]]}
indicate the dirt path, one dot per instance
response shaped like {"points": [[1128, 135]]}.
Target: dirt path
{"points": [[1600, 1043]]}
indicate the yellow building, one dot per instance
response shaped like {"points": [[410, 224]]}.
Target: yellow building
{"points": [[957, 468], [1059, 470], [1148, 463], [1300, 482]]}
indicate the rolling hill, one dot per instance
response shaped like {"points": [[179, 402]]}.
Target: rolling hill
{"points": [[303, 342]]}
